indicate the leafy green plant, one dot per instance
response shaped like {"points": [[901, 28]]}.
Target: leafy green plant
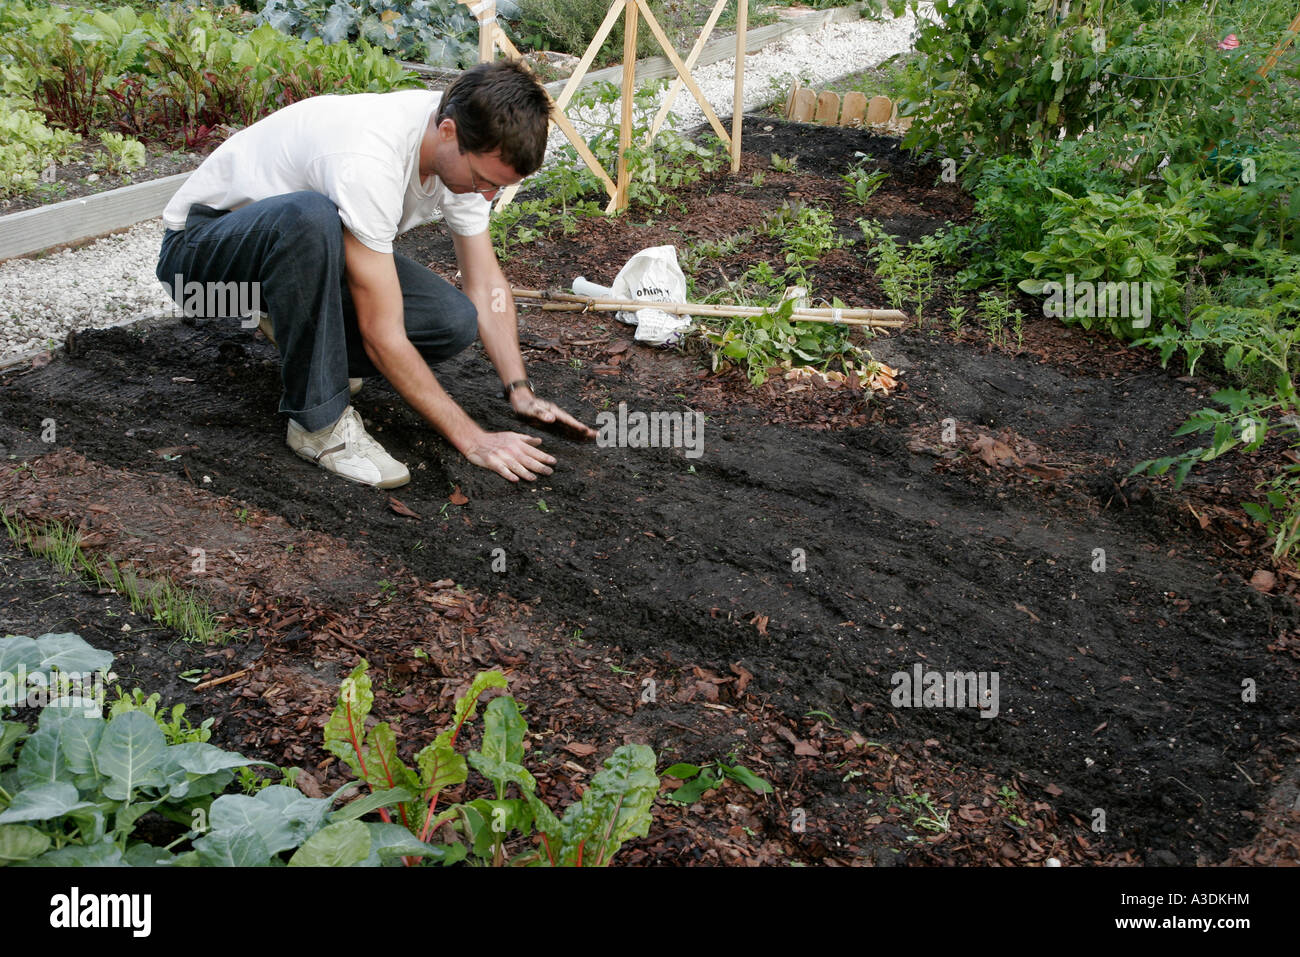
{"points": [[1260, 331], [697, 779], [175, 727], [1112, 239], [124, 154], [906, 273], [783, 165], [956, 316], [177, 76], [860, 183], [996, 315], [28, 147], [756, 344], [614, 808], [925, 816], [73, 789]]}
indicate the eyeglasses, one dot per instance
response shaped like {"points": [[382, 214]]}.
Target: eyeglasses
{"points": [[487, 192]]}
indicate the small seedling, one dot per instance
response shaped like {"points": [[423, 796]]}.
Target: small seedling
{"points": [[783, 165], [700, 779], [541, 505]]}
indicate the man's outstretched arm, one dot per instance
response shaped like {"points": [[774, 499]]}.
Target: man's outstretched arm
{"points": [[377, 295], [487, 288]]}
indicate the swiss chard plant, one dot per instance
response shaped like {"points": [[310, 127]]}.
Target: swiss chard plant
{"points": [[614, 808]]}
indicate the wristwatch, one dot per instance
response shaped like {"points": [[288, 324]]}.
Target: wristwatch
{"points": [[517, 384]]}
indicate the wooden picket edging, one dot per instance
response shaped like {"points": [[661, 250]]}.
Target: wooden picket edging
{"points": [[828, 109]]}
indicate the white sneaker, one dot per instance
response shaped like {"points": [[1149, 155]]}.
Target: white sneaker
{"points": [[264, 323], [347, 450]]}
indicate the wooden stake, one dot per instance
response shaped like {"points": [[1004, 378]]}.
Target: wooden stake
{"points": [[738, 94], [487, 25], [630, 17]]}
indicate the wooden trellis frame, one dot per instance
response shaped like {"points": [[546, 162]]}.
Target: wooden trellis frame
{"points": [[493, 38]]}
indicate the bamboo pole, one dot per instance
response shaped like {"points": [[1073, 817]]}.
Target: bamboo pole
{"points": [[738, 97], [568, 302]]}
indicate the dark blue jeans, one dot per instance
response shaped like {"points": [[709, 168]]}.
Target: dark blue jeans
{"points": [[292, 246]]}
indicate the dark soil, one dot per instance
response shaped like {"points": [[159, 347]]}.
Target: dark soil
{"points": [[1120, 689], [72, 179]]}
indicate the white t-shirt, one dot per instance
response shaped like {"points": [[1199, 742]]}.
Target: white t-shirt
{"points": [[361, 150]]}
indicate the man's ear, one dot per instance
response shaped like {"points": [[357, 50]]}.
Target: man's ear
{"points": [[447, 130]]}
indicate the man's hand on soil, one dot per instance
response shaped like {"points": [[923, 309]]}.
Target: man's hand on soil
{"points": [[511, 455], [528, 406]]}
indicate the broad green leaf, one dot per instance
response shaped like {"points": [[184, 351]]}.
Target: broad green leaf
{"points": [[307, 813], [344, 844], [466, 705], [692, 791], [502, 772], [682, 771], [129, 753], [345, 732], [235, 847], [198, 757], [392, 840], [503, 730], [71, 653], [18, 652], [11, 732], [21, 842], [79, 738], [748, 778], [146, 855], [103, 854], [385, 770], [231, 812], [41, 759], [500, 818], [371, 802], [615, 808], [440, 766]]}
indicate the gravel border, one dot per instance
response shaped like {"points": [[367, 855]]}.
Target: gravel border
{"points": [[111, 282]]}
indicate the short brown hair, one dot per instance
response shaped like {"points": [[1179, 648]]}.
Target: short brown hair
{"points": [[500, 106]]}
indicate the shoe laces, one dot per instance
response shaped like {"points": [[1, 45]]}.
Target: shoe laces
{"points": [[354, 436]]}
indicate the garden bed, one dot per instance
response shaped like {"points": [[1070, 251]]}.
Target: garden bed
{"points": [[1120, 689]]}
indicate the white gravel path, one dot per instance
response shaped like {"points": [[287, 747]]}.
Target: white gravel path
{"points": [[112, 282]]}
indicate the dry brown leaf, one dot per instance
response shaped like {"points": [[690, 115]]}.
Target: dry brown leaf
{"points": [[400, 508], [579, 749], [458, 497]]}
